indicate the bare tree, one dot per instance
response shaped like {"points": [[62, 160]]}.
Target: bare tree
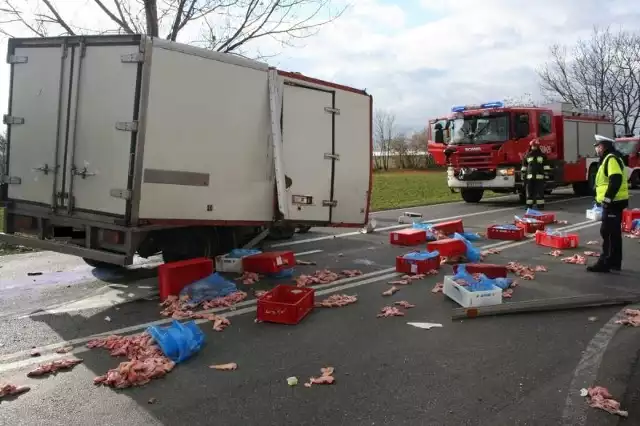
{"points": [[601, 73], [384, 134], [226, 25]]}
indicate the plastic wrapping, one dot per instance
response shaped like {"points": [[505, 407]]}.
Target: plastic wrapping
{"points": [[208, 288], [526, 219], [507, 227], [240, 253], [473, 254], [421, 255], [482, 283], [471, 236], [178, 341], [427, 227], [635, 224], [534, 212]]}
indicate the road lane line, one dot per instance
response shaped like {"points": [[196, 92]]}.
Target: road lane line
{"points": [[306, 253], [407, 225]]}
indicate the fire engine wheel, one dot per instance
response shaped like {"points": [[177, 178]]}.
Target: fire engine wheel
{"points": [[472, 195], [634, 182]]}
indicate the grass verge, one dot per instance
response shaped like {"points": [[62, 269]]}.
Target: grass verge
{"points": [[398, 189]]}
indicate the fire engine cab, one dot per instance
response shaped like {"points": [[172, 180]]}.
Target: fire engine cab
{"points": [[482, 146], [629, 148]]}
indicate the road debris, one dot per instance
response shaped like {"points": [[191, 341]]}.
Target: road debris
{"points": [[305, 262], [53, 367], [599, 397], [425, 325], [591, 254], [632, 318], [404, 304], [408, 279], [325, 379], [107, 319], [249, 278], [219, 323], [592, 319], [33, 274], [635, 234], [391, 291], [7, 389], [525, 272], [390, 311], [180, 308], [556, 253], [35, 352], [292, 381], [576, 259], [561, 222], [437, 288], [152, 401], [259, 293], [337, 300], [325, 276], [540, 268], [507, 293], [491, 251], [146, 360], [593, 243], [225, 367]]}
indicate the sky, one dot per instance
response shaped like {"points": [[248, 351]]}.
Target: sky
{"points": [[419, 57]]}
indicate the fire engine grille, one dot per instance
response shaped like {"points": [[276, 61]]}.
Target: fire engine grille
{"points": [[480, 160]]}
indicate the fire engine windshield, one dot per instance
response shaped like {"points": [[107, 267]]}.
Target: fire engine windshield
{"points": [[480, 129], [627, 148]]}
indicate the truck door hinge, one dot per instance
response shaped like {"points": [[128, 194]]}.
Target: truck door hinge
{"points": [[11, 180], [125, 194], [330, 156], [330, 110], [13, 59], [12, 120], [132, 58], [329, 203], [127, 126], [82, 173]]}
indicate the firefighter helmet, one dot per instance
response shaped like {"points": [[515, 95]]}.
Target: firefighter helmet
{"points": [[534, 143]]}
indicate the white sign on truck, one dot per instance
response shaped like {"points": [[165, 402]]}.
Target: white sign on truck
{"points": [[129, 144]]}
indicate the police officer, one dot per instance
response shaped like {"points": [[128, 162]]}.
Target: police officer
{"points": [[534, 167], [612, 193]]}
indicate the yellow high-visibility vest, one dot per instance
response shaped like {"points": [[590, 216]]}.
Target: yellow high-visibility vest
{"points": [[602, 181]]}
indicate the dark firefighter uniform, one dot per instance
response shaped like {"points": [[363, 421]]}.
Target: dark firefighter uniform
{"points": [[534, 168], [612, 193]]}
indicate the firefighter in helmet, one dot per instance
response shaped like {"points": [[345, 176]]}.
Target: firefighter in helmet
{"points": [[612, 193], [534, 170]]}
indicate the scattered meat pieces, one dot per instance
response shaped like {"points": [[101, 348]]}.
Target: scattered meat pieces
{"points": [[54, 367], [555, 253], [349, 273], [225, 367], [404, 304], [438, 288], [249, 278], [391, 291], [179, 308], [146, 360], [591, 254], [508, 293], [593, 243], [540, 268], [635, 234], [408, 279], [325, 379], [64, 350], [492, 251], [599, 397], [337, 300], [7, 389], [259, 293], [561, 222], [576, 259], [305, 262], [453, 260], [390, 311], [632, 318], [523, 271], [219, 323], [325, 276]]}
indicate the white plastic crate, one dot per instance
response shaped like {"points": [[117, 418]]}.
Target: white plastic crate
{"points": [[224, 263], [594, 214], [468, 299]]}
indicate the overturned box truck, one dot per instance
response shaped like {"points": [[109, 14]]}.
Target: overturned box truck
{"points": [[482, 146], [120, 145]]}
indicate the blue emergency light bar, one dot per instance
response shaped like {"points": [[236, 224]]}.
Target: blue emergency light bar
{"points": [[460, 108]]}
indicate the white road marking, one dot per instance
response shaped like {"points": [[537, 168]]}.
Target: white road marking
{"points": [[399, 226], [306, 253]]}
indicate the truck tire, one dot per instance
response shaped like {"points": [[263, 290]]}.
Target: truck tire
{"points": [[634, 182], [281, 232], [191, 243], [472, 195], [303, 229], [100, 265]]}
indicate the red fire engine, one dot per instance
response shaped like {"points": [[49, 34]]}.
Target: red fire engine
{"points": [[483, 146], [629, 147]]}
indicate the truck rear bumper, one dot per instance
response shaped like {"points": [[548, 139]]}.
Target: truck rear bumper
{"points": [[503, 182], [66, 248]]}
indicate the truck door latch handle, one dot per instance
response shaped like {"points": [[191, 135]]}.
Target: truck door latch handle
{"points": [[82, 173]]}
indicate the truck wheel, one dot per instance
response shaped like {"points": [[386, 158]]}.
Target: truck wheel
{"points": [[185, 244], [303, 229], [100, 265], [472, 195], [634, 182], [281, 232]]}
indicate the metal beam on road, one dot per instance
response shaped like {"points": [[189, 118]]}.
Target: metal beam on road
{"points": [[546, 305]]}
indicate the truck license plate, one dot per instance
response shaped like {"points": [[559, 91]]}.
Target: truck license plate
{"points": [[474, 184]]}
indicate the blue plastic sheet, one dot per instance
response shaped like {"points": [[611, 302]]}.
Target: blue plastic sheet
{"points": [[483, 283], [534, 212], [473, 254], [635, 224], [471, 236], [428, 227], [178, 341], [503, 283], [285, 273], [526, 219], [208, 288], [421, 255], [239, 253]]}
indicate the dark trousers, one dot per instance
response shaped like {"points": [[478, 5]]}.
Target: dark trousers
{"points": [[611, 233], [535, 192]]}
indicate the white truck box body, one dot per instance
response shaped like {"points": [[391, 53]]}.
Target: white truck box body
{"points": [[150, 131]]}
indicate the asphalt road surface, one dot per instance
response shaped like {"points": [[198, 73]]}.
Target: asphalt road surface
{"points": [[510, 370]]}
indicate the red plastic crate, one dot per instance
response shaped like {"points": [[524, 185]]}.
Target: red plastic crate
{"points": [[285, 304], [546, 218], [413, 266], [174, 276], [556, 241], [628, 216], [270, 262], [531, 228], [489, 269], [450, 227], [448, 248], [495, 233], [408, 237]]}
